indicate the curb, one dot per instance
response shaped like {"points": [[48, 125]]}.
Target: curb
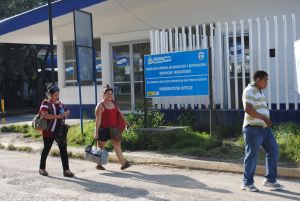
{"points": [[208, 165], [293, 173]]}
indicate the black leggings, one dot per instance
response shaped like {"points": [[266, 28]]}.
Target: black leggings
{"points": [[62, 149]]}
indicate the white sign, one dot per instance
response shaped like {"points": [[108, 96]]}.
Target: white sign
{"points": [[297, 62]]}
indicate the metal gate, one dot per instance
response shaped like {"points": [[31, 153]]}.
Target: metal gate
{"points": [[239, 48]]}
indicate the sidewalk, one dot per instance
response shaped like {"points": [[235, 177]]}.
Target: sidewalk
{"points": [[154, 158], [27, 119]]}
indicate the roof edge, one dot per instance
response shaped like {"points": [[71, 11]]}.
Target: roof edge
{"points": [[40, 14]]}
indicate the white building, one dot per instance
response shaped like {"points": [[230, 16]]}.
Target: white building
{"points": [[245, 35]]}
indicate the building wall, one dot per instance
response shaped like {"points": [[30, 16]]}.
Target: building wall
{"points": [[69, 94], [176, 13]]}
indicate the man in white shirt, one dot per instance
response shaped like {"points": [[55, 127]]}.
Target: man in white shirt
{"points": [[257, 132]]}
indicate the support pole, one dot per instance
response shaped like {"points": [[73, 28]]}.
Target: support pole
{"points": [[145, 99], [211, 100], [51, 41], [3, 111]]}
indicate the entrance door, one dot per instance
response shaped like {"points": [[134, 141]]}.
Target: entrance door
{"points": [[128, 74]]}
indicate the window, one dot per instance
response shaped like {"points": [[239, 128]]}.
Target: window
{"points": [[128, 74], [70, 63]]}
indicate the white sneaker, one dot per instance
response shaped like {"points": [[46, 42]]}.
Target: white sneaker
{"points": [[249, 188], [275, 186]]}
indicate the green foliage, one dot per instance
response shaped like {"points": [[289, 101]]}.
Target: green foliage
{"points": [[11, 147], [24, 148], [25, 129], [75, 137], [76, 155], [12, 7], [155, 118], [186, 118], [2, 146], [288, 137], [55, 153], [168, 140], [228, 132], [18, 63], [14, 71], [181, 141]]}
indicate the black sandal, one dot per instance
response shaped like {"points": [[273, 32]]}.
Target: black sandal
{"points": [[68, 173], [127, 165], [100, 167], [43, 172]]}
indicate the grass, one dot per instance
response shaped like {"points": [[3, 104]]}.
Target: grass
{"points": [[11, 147], [75, 138], [2, 146], [75, 155], [25, 149], [26, 130], [195, 143], [288, 137], [55, 153]]}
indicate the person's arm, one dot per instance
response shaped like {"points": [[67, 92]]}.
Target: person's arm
{"points": [[67, 113], [98, 115], [248, 108], [45, 115], [44, 112]]}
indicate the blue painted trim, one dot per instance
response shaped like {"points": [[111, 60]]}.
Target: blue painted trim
{"points": [[88, 111], [40, 14]]}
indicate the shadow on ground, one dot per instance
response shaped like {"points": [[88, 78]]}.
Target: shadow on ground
{"points": [[115, 190], [285, 194], [172, 180]]}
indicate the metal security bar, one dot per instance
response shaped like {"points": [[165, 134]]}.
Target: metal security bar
{"points": [[239, 48]]}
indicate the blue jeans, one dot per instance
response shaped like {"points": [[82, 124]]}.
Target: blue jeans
{"points": [[255, 137]]}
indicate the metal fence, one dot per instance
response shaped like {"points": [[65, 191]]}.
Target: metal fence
{"points": [[239, 48]]}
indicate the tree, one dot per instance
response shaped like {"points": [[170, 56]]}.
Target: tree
{"points": [[18, 63], [12, 7]]}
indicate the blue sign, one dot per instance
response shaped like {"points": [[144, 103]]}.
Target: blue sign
{"points": [[69, 70], [122, 62], [177, 74], [98, 66]]}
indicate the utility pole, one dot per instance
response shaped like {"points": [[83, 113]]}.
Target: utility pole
{"points": [[51, 42]]}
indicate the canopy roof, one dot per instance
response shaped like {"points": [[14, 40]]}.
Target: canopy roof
{"points": [[122, 16]]}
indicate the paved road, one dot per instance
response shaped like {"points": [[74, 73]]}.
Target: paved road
{"points": [[19, 119], [19, 181]]}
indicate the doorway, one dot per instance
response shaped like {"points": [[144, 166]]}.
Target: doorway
{"points": [[128, 74]]}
